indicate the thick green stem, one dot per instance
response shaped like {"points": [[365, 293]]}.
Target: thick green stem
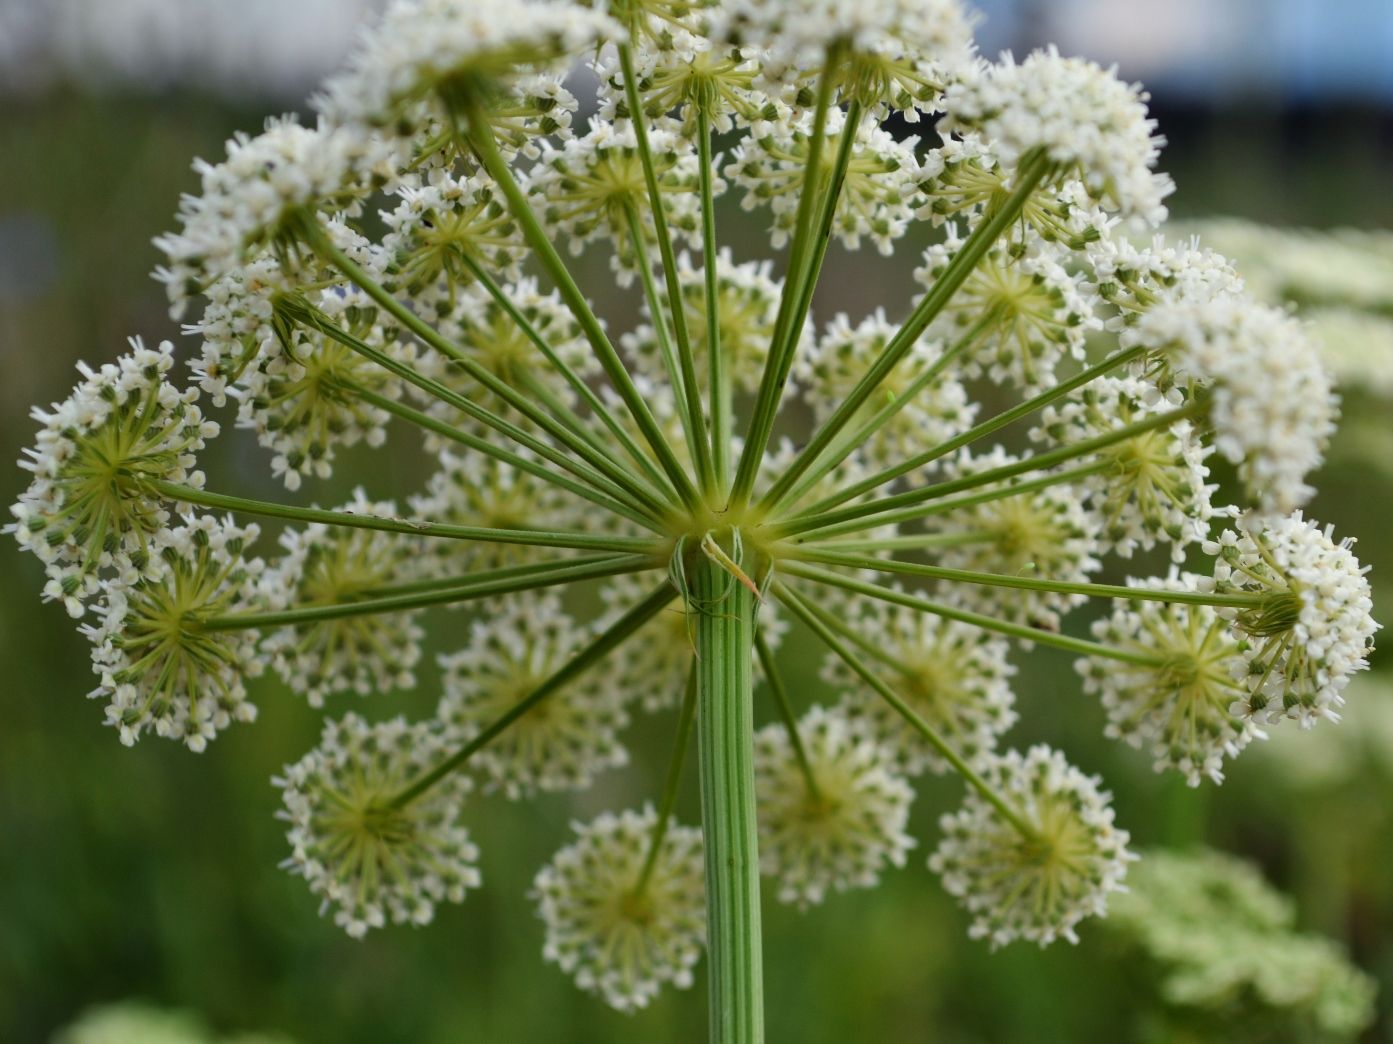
{"points": [[725, 610], [592, 654]]}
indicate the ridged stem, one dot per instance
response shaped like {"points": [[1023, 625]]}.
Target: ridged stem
{"points": [[724, 610]]}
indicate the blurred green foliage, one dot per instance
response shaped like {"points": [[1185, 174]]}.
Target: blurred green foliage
{"points": [[151, 873]]}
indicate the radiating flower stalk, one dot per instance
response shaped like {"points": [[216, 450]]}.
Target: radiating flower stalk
{"points": [[665, 464]]}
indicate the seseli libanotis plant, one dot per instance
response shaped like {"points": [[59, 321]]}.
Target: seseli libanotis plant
{"points": [[671, 465]]}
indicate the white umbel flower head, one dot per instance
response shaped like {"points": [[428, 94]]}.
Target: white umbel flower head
{"points": [[587, 188], [470, 489], [367, 858], [876, 200], [927, 413], [1179, 705], [332, 565], [1036, 887], [427, 49], [955, 677], [887, 54], [88, 506], [1271, 401], [1022, 313], [251, 201], [441, 231], [1045, 532], [308, 398], [747, 306], [1082, 117], [161, 670], [1152, 487], [619, 942], [1315, 627], [563, 742], [838, 830]]}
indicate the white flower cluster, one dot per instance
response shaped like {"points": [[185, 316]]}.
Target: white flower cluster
{"points": [[834, 363], [623, 927], [1048, 532], [898, 54], [876, 197], [1150, 488], [250, 200], [1021, 313], [161, 672], [1315, 627], [369, 859], [834, 824], [1224, 939], [1039, 886], [424, 45], [401, 263], [329, 565], [1274, 429], [1178, 697], [592, 187], [560, 744], [88, 508], [955, 677], [1079, 115]]}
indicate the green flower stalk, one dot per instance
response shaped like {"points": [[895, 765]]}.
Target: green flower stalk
{"points": [[722, 463]]}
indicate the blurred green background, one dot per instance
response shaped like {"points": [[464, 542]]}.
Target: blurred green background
{"points": [[152, 873]]}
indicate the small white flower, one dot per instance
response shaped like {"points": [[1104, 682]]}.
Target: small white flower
{"points": [[876, 200], [1270, 398], [1314, 630], [843, 833], [1180, 705], [330, 565], [160, 670], [1153, 486], [1036, 887], [563, 742], [88, 507], [616, 940], [1081, 116], [955, 677], [366, 857]]}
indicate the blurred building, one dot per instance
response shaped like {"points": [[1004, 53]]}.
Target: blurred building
{"points": [[1296, 51]]}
